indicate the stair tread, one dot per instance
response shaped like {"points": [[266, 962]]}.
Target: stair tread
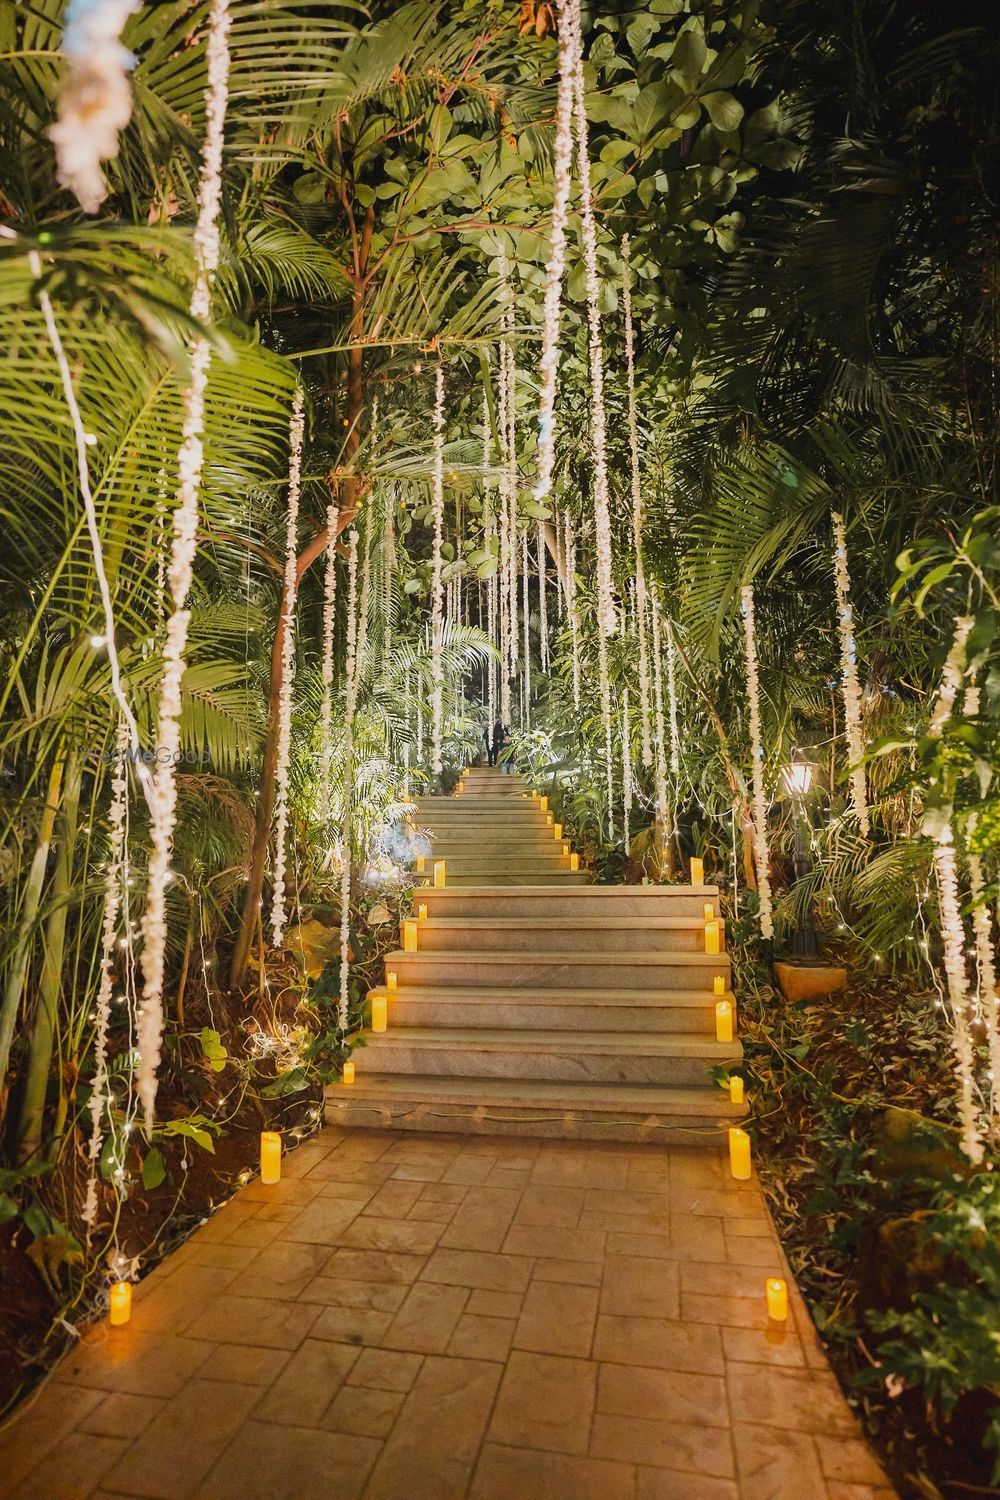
{"points": [[645, 892], [549, 924], [660, 1043], [483, 994], [645, 1097], [508, 956]]}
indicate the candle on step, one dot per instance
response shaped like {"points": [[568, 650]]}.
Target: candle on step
{"points": [[391, 979], [549, 822], [697, 872], [557, 830], [409, 937], [723, 1021], [422, 910], [120, 1304], [380, 1012], [712, 944], [270, 1157], [735, 1089], [574, 861], [776, 1291], [421, 863], [739, 1153], [566, 849], [719, 985], [440, 871], [348, 1074], [709, 911], [543, 803]]}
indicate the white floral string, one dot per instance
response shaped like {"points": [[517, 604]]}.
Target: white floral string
{"points": [[287, 626], [640, 572], [562, 186], [850, 685], [437, 591], [626, 771], [113, 882], [675, 734], [761, 855], [350, 701], [953, 937], [543, 612], [663, 817], [326, 668], [181, 570], [95, 96]]}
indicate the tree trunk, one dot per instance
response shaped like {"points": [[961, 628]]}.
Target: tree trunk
{"points": [[43, 1032], [17, 973]]}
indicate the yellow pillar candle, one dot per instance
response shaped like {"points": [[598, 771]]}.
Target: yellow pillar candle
{"points": [[697, 872], [543, 803], [380, 1012], [709, 911], [723, 1021], [574, 861], [391, 979], [348, 1074], [739, 1153], [736, 1089], [440, 872], [549, 820], [421, 863], [422, 910], [719, 985], [120, 1304], [566, 850], [270, 1157], [409, 937], [776, 1291], [712, 944], [557, 830]]}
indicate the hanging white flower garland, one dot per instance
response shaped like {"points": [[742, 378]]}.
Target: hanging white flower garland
{"points": [[180, 573], [572, 607], [284, 750], [761, 855], [543, 611], [562, 186], [329, 633], [850, 685], [526, 688], [663, 816], [95, 96], [675, 734], [953, 937], [350, 701], [437, 591], [640, 571], [113, 882], [626, 770]]}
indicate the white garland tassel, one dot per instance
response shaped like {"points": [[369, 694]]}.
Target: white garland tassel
{"points": [[181, 570], [95, 97], [640, 572], [296, 429], [849, 676], [761, 855], [437, 591]]}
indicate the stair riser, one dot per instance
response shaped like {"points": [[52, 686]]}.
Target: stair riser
{"points": [[490, 869], [437, 939], [430, 970], [394, 1056], [566, 876], [558, 1125], [510, 844], [605, 1020], [448, 903]]}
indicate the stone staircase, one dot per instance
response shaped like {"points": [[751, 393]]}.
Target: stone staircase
{"points": [[539, 1004]]}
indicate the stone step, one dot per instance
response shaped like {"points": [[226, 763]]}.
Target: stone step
{"points": [[608, 1011], [557, 879], [666, 1060], [564, 1111], [483, 804], [499, 866], [659, 971], [465, 838], [545, 936], [588, 901]]}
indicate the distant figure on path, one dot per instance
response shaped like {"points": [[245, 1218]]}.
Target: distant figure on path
{"points": [[500, 739]]}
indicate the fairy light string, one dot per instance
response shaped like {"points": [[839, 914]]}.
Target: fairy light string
{"points": [[850, 685], [437, 590], [640, 573], [284, 748], [761, 854]]}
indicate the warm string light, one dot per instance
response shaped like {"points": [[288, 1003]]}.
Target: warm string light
{"points": [[640, 572], [761, 856], [183, 545], [287, 626], [626, 770], [605, 685], [552, 304], [543, 615], [526, 704], [95, 97], [663, 816], [572, 607], [113, 883], [850, 685], [351, 690], [675, 734], [437, 592]]}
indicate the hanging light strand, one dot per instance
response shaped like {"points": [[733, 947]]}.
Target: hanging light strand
{"points": [[329, 631], [350, 700], [663, 815], [181, 569], [543, 612], [675, 734], [562, 187], [287, 626], [766, 915], [437, 590], [640, 571], [850, 685]]}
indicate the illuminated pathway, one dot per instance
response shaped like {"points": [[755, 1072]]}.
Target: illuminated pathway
{"points": [[415, 1317]]}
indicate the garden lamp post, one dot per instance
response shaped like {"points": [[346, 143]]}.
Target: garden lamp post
{"points": [[798, 777]]}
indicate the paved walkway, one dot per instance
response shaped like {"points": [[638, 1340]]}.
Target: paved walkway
{"points": [[433, 1317]]}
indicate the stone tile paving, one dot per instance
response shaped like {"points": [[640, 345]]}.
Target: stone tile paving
{"points": [[414, 1317]]}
